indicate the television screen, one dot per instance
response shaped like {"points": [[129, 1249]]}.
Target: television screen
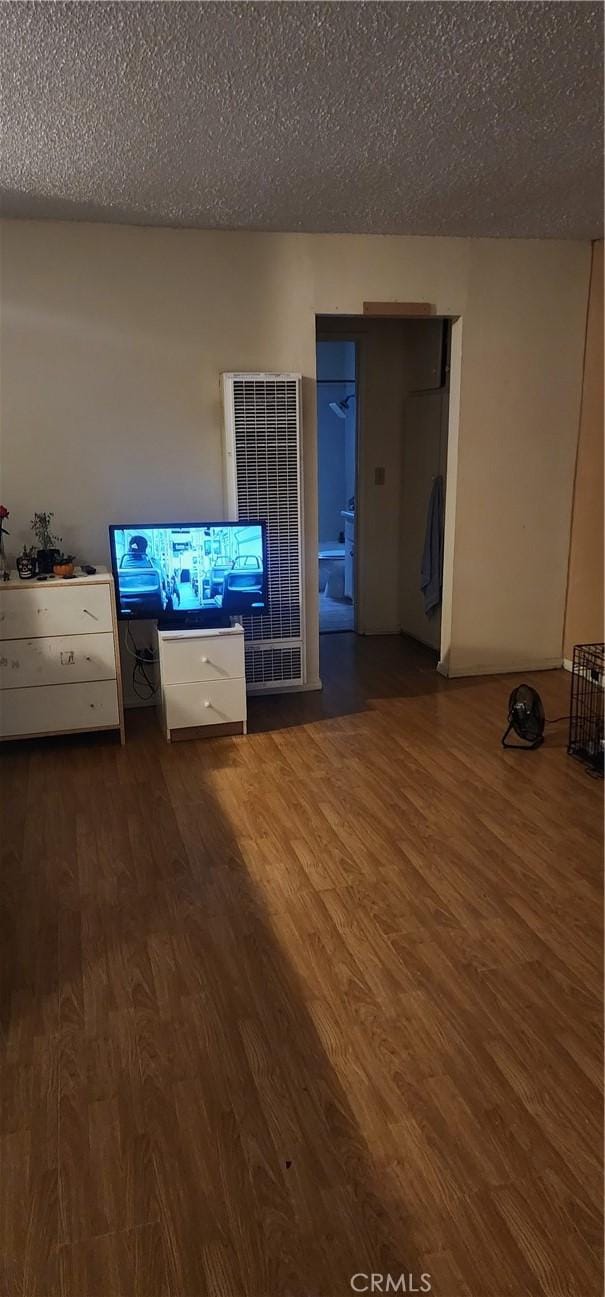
{"points": [[164, 570]]}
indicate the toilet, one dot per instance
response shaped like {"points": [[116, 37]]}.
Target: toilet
{"points": [[332, 569]]}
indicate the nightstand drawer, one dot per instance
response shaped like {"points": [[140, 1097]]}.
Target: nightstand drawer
{"points": [[220, 657], [53, 609], [56, 660], [213, 703]]}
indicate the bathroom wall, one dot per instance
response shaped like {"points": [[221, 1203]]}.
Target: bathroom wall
{"points": [[336, 464], [350, 427]]}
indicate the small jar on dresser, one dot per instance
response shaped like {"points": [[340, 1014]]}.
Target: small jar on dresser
{"points": [[59, 657]]}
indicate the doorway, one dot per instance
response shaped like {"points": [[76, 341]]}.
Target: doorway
{"points": [[402, 419], [337, 482]]}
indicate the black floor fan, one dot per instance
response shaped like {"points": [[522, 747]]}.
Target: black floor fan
{"points": [[526, 718]]}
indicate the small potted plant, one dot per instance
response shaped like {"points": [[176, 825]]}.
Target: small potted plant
{"points": [[64, 565], [4, 572], [26, 563], [48, 552]]}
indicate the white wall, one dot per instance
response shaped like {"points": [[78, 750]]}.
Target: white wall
{"points": [[584, 610], [113, 340], [382, 400], [423, 458], [522, 347]]}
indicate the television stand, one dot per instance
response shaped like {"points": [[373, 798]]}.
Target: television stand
{"points": [[202, 681]]}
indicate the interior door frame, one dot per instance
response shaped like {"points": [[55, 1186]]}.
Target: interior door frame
{"points": [[340, 329]]}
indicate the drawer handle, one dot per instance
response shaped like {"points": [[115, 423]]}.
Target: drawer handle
{"points": [[207, 702], [204, 658], [90, 614]]}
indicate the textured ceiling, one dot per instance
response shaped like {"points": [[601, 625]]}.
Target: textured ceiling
{"points": [[420, 118]]}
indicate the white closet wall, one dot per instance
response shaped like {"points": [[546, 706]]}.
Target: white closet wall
{"points": [[423, 457]]}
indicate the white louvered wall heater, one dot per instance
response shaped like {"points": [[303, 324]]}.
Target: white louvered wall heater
{"points": [[263, 479]]}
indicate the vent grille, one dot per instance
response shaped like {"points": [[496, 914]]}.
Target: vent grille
{"points": [[264, 481], [266, 469], [273, 665]]}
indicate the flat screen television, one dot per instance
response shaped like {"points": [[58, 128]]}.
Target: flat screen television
{"points": [[189, 574]]}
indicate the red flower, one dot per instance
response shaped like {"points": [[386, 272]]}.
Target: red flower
{"points": [[4, 512]]}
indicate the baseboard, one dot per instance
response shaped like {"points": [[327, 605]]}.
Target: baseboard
{"points": [[498, 669], [380, 630]]}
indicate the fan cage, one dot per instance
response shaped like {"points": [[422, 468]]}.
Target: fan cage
{"points": [[586, 727]]}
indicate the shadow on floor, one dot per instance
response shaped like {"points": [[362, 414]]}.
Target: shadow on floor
{"points": [[205, 1143], [356, 672]]}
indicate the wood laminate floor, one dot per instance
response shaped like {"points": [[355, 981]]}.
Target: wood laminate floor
{"points": [[319, 1002]]}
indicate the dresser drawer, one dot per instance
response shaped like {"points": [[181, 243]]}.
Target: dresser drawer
{"points": [[52, 609], [50, 709], [213, 703], [58, 659], [219, 657]]}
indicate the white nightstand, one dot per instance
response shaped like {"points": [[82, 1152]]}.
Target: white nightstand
{"points": [[202, 682]]}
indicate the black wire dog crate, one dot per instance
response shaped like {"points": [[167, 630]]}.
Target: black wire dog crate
{"points": [[586, 734]]}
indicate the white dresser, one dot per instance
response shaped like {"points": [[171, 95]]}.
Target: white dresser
{"points": [[202, 682], [59, 657]]}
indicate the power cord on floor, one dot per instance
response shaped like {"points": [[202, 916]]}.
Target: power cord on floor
{"points": [[143, 658]]}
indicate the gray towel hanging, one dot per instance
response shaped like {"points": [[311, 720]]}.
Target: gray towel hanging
{"points": [[431, 568]]}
